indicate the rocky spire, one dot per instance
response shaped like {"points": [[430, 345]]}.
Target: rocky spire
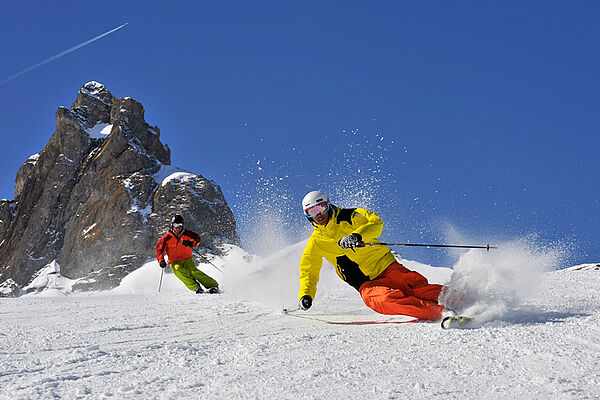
{"points": [[95, 199]]}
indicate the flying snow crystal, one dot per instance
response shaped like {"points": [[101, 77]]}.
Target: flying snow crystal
{"points": [[61, 54], [269, 217]]}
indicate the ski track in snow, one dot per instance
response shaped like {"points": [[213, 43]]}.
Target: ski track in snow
{"points": [[174, 344]]}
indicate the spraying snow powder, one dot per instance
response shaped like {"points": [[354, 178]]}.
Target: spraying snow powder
{"points": [[491, 285]]}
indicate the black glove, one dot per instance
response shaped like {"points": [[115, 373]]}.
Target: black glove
{"points": [[305, 302], [163, 264], [188, 243], [351, 241]]}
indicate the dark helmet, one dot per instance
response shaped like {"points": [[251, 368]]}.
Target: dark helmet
{"points": [[177, 219]]}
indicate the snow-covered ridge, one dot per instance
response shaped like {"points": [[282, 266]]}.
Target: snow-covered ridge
{"points": [[168, 173], [586, 267]]}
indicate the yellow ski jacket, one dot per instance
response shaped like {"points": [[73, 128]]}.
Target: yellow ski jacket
{"points": [[356, 266]]}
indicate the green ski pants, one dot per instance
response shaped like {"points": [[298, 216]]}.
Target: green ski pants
{"points": [[187, 273]]}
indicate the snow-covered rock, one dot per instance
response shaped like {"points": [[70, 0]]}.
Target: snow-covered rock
{"points": [[49, 280]]}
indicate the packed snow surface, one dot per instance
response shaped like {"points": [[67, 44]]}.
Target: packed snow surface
{"points": [[540, 339]]}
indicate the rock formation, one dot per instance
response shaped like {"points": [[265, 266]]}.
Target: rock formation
{"points": [[99, 195]]}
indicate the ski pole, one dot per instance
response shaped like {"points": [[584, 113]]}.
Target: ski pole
{"points": [[208, 261], [488, 247], [161, 275]]}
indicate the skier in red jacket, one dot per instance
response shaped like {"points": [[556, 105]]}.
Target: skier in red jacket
{"points": [[177, 243]]}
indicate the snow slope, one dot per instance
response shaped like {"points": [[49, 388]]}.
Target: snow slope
{"points": [[136, 343]]}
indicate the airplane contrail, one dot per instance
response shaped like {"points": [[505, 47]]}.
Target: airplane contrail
{"points": [[63, 53]]}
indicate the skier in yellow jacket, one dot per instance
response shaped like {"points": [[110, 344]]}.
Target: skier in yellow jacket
{"points": [[385, 285]]}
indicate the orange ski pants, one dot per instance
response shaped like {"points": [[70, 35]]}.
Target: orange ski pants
{"points": [[398, 290]]}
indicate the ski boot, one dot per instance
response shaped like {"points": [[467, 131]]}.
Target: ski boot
{"points": [[452, 322]]}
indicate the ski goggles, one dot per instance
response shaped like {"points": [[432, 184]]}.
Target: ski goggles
{"points": [[317, 209], [177, 226]]}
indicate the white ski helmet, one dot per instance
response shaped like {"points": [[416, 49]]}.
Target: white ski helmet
{"points": [[314, 198]]}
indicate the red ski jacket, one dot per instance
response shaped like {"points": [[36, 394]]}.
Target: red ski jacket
{"points": [[172, 245]]}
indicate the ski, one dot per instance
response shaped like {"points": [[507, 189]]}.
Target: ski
{"points": [[337, 319], [210, 291], [457, 322], [200, 289]]}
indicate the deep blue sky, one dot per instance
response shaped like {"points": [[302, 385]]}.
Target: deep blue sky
{"points": [[476, 117]]}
